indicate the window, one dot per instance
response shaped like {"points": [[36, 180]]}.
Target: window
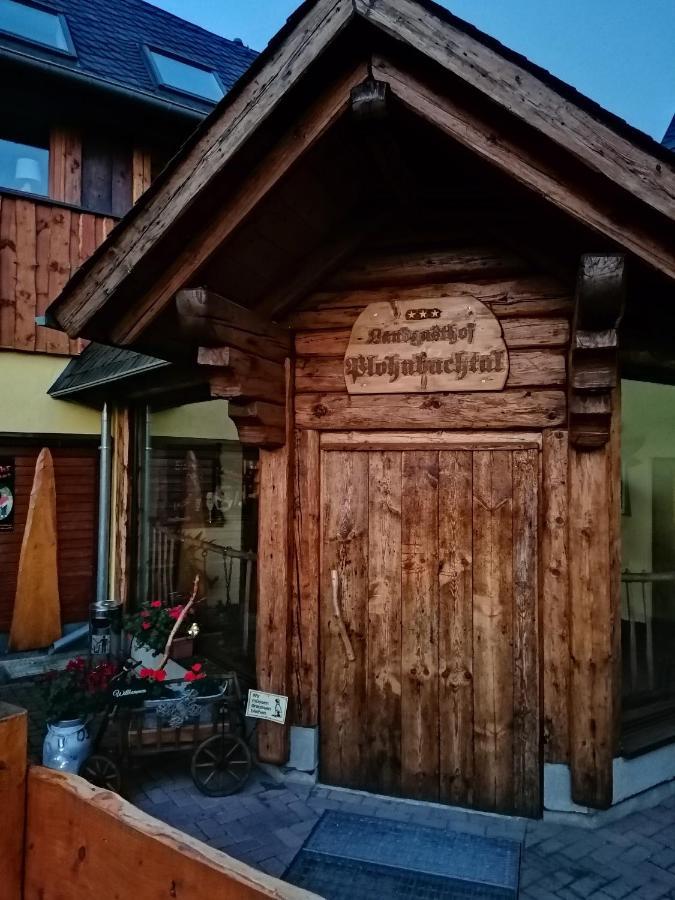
{"points": [[173, 73], [197, 493], [24, 167], [36, 24], [648, 561]]}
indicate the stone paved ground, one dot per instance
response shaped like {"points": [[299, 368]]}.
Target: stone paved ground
{"points": [[266, 824]]}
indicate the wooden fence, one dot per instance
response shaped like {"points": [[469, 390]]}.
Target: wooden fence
{"points": [[82, 842]]}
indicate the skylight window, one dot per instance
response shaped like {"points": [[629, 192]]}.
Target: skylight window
{"points": [[187, 78], [36, 24]]}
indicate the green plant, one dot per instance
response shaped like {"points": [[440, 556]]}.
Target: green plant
{"points": [[152, 625], [77, 691]]}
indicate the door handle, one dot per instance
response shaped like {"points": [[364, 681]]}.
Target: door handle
{"points": [[338, 615]]}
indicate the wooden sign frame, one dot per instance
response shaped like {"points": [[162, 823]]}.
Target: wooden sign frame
{"points": [[435, 344]]}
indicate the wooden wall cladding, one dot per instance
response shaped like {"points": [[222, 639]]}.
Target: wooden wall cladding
{"points": [[76, 475], [41, 245], [533, 311]]}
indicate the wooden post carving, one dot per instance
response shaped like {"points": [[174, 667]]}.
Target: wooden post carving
{"points": [[593, 361]]}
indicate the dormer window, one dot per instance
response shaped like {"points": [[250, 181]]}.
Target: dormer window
{"points": [[36, 24], [184, 77]]}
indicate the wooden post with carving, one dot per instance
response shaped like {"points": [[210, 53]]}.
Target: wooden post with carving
{"points": [[593, 378]]}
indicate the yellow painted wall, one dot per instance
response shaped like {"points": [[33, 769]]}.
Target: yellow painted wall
{"points": [[25, 406], [197, 420]]}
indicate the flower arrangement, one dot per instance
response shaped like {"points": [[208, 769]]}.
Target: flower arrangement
{"points": [[153, 624], [78, 691]]}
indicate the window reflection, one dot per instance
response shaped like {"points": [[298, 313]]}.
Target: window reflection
{"points": [[24, 167], [202, 520], [648, 550]]}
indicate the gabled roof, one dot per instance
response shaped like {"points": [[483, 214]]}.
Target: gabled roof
{"points": [[669, 136], [109, 38], [551, 128]]}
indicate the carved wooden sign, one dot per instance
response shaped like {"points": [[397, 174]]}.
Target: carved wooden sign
{"points": [[419, 346]]}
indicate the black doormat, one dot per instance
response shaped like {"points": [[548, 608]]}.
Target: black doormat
{"points": [[352, 857]]}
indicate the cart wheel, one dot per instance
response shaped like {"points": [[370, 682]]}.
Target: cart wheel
{"points": [[102, 772], [221, 765]]}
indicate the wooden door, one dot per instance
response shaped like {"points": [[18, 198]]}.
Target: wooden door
{"points": [[431, 689]]}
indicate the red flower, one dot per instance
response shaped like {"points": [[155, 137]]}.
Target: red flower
{"points": [[160, 675], [146, 625], [175, 612], [197, 667], [156, 604], [193, 676], [145, 613]]}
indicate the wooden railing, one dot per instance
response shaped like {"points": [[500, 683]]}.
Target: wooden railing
{"points": [[81, 842], [41, 245]]}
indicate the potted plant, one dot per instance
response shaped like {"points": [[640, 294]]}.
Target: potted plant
{"points": [[162, 627], [72, 696]]}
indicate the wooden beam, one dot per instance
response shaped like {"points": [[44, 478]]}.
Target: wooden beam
{"points": [[195, 174], [593, 361], [13, 767], [234, 375], [275, 530], [210, 320], [498, 410], [259, 424], [528, 97], [509, 154]]}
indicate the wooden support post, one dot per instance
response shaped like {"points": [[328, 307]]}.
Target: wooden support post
{"points": [[275, 530], [593, 491], [121, 494], [13, 766], [306, 579], [592, 695]]}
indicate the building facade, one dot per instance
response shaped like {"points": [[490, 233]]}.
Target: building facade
{"points": [[96, 100]]}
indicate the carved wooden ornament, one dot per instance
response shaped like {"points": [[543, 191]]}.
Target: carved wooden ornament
{"points": [[420, 346]]}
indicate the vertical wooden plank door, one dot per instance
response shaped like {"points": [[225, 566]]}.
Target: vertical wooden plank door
{"points": [[429, 630]]}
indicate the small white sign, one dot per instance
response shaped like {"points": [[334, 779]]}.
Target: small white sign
{"points": [[262, 705]]}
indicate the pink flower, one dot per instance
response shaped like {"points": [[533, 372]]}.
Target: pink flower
{"points": [[175, 612], [197, 667], [156, 604], [146, 625], [193, 676], [145, 613]]}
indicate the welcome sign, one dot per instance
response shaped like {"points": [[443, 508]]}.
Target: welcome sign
{"points": [[419, 346]]}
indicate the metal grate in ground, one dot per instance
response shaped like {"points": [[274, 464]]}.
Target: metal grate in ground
{"points": [[351, 856]]}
